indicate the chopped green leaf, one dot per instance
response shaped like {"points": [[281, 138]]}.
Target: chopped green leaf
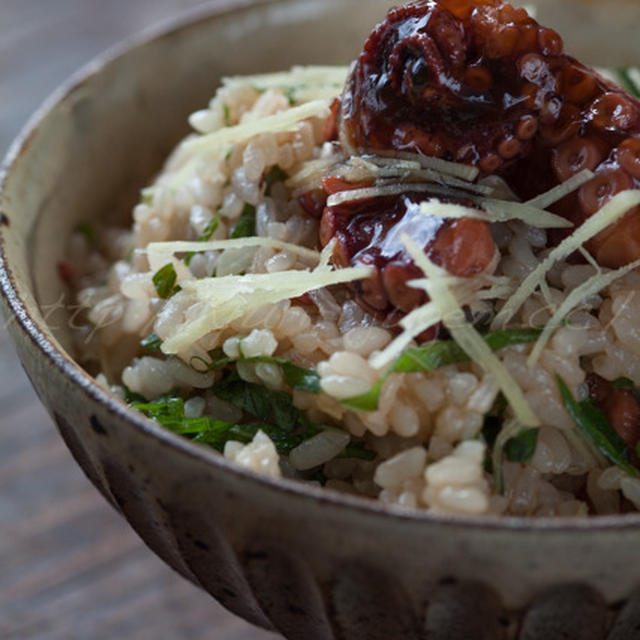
{"points": [[189, 257], [627, 81], [131, 396], [203, 429], [358, 450], [211, 227], [165, 411], [219, 434], [283, 440], [243, 433], [151, 342], [509, 430], [596, 428], [368, 401], [491, 429], [226, 114], [246, 225], [169, 412], [296, 377], [521, 447], [206, 234], [440, 354], [435, 355], [88, 231], [623, 383], [228, 155], [217, 360], [629, 385], [272, 406], [275, 174], [290, 93], [146, 196], [165, 281]]}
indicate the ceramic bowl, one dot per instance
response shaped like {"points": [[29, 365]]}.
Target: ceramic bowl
{"points": [[312, 564]]}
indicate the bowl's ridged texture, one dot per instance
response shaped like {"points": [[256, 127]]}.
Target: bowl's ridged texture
{"points": [[313, 565], [255, 562], [264, 581]]}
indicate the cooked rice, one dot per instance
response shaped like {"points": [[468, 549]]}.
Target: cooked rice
{"points": [[427, 429]]}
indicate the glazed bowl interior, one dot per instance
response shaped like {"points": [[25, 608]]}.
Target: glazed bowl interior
{"points": [[99, 140]]}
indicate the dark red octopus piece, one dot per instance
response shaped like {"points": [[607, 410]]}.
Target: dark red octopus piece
{"points": [[482, 83], [621, 407], [370, 233]]}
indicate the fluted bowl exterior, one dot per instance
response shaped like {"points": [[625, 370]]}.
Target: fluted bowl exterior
{"points": [[309, 563]]}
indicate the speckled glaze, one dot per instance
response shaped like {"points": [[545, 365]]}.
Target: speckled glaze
{"points": [[311, 564]]}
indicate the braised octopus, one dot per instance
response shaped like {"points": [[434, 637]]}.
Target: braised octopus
{"points": [[620, 406], [477, 82]]}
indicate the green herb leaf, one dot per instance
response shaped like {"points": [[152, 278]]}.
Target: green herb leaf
{"points": [[358, 450], [246, 225], [205, 236], [272, 406], [627, 81], [217, 361], [521, 447], [283, 440], [146, 196], [491, 428], [440, 354], [368, 401], [211, 227], [88, 231], [434, 356], [166, 410], [131, 396], [169, 412], [151, 342], [629, 385], [275, 174], [623, 383], [296, 377], [165, 281], [596, 428], [203, 429], [290, 93], [226, 114]]}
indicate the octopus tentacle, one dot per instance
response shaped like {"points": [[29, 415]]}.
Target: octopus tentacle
{"points": [[482, 83], [629, 156], [369, 233], [576, 155]]}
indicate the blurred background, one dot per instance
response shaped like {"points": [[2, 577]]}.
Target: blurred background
{"points": [[71, 568]]}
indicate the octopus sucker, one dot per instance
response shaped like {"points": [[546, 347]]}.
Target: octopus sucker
{"points": [[369, 233], [478, 82]]}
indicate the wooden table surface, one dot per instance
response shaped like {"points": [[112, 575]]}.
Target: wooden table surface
{"points": [[70, 567]]}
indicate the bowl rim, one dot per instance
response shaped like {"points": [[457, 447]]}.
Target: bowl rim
{"points": [[20, 316]]}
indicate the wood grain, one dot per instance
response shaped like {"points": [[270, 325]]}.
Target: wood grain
{"points": [[70, 567]]}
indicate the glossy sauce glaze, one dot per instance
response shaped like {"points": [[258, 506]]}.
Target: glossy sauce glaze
{"points": [[481, 83], [370, 233]]}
